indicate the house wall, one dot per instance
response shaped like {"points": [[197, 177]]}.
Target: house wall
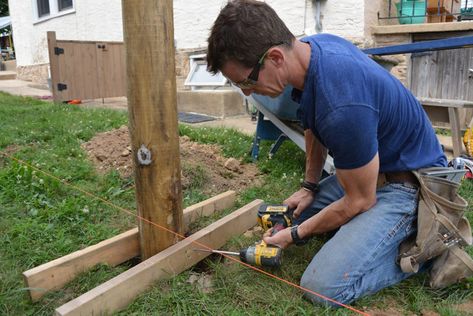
{"points": [[345, 18], [102, 21]]}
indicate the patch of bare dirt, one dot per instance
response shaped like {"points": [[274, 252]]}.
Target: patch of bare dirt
{"points": [[465, 308], [7, 152], [391, 308], [111, 151], [388, 312], [462, 309], [202, 281]]}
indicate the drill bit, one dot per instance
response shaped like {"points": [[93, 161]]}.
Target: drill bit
{"points": [[231, 253]]}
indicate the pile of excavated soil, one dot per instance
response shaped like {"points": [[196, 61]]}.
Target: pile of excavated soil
{"points": [[111, 151]]}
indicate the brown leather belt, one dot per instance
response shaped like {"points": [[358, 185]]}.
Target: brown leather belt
{"points": [[397, 177]]}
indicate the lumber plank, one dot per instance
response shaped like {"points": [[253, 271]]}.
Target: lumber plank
{"points": [[118, 292], [55, 274], [456, 133], [422, 28], [208, 207], [446, 103]]}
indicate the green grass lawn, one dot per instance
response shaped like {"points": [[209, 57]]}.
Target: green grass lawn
{"points": [[42, 219]]}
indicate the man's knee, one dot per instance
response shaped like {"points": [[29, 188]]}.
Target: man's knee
{"points": [[323, 289]]}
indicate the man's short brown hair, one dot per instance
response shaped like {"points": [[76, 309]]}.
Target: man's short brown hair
{"points": [[243, 31]]}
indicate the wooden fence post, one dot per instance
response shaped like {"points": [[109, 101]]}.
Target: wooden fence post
{"points": [[53, 65], [152, 107]]}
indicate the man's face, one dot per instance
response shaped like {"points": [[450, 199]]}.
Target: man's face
{"points": [[268, 82]]}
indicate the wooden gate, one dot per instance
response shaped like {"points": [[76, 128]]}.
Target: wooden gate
{"points": [[444, 75], [86, 69]]}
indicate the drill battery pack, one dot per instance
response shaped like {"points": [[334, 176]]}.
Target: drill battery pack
{"points": [[271, 215]]}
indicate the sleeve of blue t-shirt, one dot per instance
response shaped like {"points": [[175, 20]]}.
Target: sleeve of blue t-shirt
{"points": [[350, 133]]}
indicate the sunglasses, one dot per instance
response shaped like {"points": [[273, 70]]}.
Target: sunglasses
{"points": [[252, 79]]}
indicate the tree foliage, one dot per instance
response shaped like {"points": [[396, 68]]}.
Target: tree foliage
{"points": [[4, 8]]}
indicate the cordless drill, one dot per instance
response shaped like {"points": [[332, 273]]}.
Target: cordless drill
{"points": [[258, 255], [277, 217]]}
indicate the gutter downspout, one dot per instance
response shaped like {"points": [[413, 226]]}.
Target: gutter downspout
{"points": [[318, 21]]}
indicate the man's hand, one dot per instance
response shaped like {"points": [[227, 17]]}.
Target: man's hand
{"points": [[282, 239], [300, 200]]}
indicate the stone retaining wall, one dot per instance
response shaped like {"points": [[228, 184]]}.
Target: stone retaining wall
{"points": [[400, 70], [38, 74]]}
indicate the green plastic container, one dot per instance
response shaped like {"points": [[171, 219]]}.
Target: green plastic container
{"points": [[405, 17], [466, 7]]}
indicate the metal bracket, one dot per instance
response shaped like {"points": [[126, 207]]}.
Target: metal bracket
{"points": [[470, 73], [61, 86], [58, 50], [144, 155]]}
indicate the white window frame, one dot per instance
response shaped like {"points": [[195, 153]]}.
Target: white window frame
{"points": [[194, 62], [53, 11]]}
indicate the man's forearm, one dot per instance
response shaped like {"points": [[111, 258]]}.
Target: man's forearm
{"points": [[315, 157], [359, 186], [333, 216]]}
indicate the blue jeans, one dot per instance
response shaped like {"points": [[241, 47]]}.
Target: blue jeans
{"points": [[360, 259]]}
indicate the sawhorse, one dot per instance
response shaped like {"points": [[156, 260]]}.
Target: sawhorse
{"points": [[266, 130]]}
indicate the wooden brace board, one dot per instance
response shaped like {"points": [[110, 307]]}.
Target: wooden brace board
{"points": [[447, 111], [55, 274], [118, 292]]}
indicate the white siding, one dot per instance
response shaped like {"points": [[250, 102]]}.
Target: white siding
{"points": [[344, 18], [92, 20], [102, 20]]}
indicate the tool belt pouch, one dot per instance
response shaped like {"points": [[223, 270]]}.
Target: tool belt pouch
{"points": [[442, 232]]}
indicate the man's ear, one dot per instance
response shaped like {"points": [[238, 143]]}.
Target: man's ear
{"points": [[277, 56]]}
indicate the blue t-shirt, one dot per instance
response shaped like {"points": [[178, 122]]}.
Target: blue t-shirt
{"points": [[356, 108]]}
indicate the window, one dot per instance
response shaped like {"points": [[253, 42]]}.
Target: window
{"points": [[47, 9], [199, 77], [64, 4], [43, 7]]}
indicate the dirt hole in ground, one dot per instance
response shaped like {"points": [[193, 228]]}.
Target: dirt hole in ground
{"points": [[202, 166], [7, 152]]}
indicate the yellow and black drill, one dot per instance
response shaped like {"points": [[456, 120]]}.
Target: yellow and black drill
{"points": [[277, 217]]}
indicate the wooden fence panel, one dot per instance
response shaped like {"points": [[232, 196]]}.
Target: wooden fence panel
{"points": [[86, 69], [111, 69], [444, 75], [77, 70]]}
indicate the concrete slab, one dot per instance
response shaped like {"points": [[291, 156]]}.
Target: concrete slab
{"points": [[218, 103], [242, 123], [23, 88], [9, 65], [446, 141], [7, 75], [119, 103]]}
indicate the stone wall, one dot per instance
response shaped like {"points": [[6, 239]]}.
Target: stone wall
{"points": [[38, 74], [399, 70], [182, 65]]}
